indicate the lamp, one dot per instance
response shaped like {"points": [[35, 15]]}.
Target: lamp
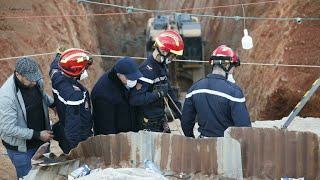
{"points": [[246, 39]]}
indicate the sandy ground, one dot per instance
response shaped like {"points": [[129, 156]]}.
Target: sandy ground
{"points": [[7, 170]]}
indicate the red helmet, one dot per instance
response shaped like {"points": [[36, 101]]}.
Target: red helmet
{"points": [[74, 61], [170, 41], [224, 55]]}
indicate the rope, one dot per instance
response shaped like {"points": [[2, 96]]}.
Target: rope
{"points": [[177, 60]]}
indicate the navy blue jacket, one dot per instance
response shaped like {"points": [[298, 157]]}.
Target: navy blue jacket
{"points": [[112, 112], [218, 104], [151, 105], [73, 105]]}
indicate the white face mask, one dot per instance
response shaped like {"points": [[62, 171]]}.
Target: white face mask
{"points": [[166, 60], [84, 75], [230, 78], [131, 84]]}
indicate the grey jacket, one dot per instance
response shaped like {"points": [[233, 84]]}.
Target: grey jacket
{"points": [[13, 122]]}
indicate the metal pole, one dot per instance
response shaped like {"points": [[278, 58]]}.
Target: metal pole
{"points": [[174, 104], [301, 104], [167, 104]]}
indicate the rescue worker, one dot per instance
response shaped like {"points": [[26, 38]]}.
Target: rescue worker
{"points": [[71, 98], [154, 86], [217, 102], [112, 112]]}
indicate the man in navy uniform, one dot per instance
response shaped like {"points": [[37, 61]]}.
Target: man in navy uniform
{"points": [[217, 102], [112, 112], [71, 97], [154, 86]]}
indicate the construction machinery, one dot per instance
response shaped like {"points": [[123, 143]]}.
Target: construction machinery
{"points": [[186, 25]]}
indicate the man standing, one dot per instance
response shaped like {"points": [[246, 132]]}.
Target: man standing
{"points": [[72, 99], [112, 113], [24, 117], [217, 102], [154, 86]]}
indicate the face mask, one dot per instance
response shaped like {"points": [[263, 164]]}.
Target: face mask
{"points": [[165, 59], [84, 75], [230, 78], [131, 84]]}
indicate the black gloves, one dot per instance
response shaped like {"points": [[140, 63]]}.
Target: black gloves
{"points": [[161, 89]]}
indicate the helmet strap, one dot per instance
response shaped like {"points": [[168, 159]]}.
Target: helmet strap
{"points": [[164, 58], [222, 61]]}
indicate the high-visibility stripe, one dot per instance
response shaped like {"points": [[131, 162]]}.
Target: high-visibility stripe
{"points": [[150, 81], [217, 93], [146, 80], [72, 103]]}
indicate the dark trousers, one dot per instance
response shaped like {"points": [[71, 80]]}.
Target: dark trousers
{"points": [[21, 161], [59, 135], [156, 125]]}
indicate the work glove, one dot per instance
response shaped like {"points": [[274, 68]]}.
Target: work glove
{"points": [[162, 90]]}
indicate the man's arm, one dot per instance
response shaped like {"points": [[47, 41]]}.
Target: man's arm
{"points": [[239, 111], [140, 95], [54, 66], [8, 121], [188, 117]]}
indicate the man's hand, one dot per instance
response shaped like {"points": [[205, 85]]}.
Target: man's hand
{"points": [[162, 90], [61, 49], [54, 109], [46, 135]]}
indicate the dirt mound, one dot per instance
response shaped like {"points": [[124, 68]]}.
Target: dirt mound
{"points": [[25, 36], [272, 92]]}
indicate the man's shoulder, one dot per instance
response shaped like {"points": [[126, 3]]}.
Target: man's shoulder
{"points": [[66, 89], [8, 88]]}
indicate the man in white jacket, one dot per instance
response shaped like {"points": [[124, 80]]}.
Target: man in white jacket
{"points": [[24, 117]]}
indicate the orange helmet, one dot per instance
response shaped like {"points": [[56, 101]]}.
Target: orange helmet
{"points": [[170, 41], [74, 61], [224, 55]]}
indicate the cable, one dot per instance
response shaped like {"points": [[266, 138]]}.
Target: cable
{"points": [[177, 60], [283, 65], [110, 56], [200, 15], [161, 11], [142, 11], [199, 61], [244, 20], [2, 59], [128, 8]]}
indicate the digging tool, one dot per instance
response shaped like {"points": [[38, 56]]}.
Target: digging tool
{"points": [[301, 104]]}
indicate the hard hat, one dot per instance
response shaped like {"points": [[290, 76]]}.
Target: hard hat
{"points": [[224, 55], [74, 61], [170, 41]]}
